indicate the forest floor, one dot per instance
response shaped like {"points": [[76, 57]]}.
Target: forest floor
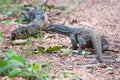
{"points": [[102, 15]]}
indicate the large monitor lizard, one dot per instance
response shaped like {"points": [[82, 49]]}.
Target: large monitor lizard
{"points": [[83, 37]]}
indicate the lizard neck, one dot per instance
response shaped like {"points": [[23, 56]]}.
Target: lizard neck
{"points": [[64, 30]]}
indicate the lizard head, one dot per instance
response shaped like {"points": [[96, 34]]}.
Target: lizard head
{"points": [[58, 28]]}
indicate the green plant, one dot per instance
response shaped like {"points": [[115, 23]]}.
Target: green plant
{"points": [[16, 65], [6, 22], [49, 49], [66, 51], [39, 35], [9, 7], [18, 20], [54, 48]]}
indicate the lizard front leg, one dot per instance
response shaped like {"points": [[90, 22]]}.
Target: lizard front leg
{"points": [[73, 41], [82, 43]]}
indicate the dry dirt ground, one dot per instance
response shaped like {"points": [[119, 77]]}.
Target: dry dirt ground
{"points": [[102, 15]]}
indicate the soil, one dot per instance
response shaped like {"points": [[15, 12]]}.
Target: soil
{"points": [[102, 15]]}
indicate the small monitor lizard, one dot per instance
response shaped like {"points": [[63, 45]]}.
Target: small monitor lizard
{"points": [[83, 37]]}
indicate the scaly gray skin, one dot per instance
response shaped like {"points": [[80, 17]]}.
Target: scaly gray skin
{"points": [[83, 37], [40, 20]]}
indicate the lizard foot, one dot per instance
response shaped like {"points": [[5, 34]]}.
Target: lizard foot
{"points": [[73, 48], [80, 52]]}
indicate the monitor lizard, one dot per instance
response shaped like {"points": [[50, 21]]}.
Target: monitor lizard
{"points": [[82, 36]]}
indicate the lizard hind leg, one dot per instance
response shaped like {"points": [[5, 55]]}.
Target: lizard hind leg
{"points": [[104, 48], [105, 45], [73, 41]]}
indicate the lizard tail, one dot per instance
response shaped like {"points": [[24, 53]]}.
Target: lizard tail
{"points": [[96, 41]]}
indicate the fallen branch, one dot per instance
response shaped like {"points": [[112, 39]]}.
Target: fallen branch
{"points": [[40, 20]]}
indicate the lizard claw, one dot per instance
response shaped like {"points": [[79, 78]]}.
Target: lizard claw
{"points": [[80, 52]]}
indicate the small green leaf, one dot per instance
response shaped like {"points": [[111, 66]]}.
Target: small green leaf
{"points": [[66, 51], [54, 48], [18, 60], [10, 53], [44, 76], [18, 20], [57, 48], [27, 16], [49, 49], [66, 75], [3, 66], [14, 72], [8, 13], [41, 50], [36, 67], [28, 74], [1, 34], [29, 69], [21, 5], [6, 22]]}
